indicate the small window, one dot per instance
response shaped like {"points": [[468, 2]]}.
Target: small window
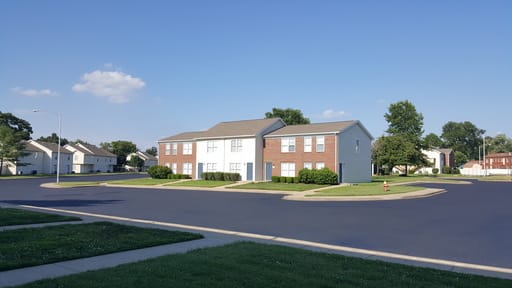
{"points": [[167, 148], [187, 148], [308, 143], [235, 167], [287, 144], [320, 165], [174, 149], [357, 146], [308, 165], [320, 143], [187, 168], [236, 145], [211, 146], [288, 169]]}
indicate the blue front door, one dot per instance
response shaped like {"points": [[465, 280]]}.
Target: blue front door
{"points": [[199, 170], [249, 171], [268, 171]]}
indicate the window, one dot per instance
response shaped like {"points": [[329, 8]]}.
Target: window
{"points": [[235, 167], [174, 168], [357, 146], [320, 165], [187, 168], [308, 142], [288, 169], [211, 167], [211, 146], [167, 164], [167, 148], [308, 165], [236, 145], [320, 143], [174, 149], [288, 144], [187, 148]]}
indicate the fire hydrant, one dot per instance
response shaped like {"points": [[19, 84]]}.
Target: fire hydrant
{"points": [[385, 186]]}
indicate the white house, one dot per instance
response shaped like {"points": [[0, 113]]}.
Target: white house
{"points": [[88, 158], [39, 158], [436, 158], [149, 160], [235, 147]]}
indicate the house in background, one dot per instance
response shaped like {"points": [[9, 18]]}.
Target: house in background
{"points": [[343, 147], [149, 161], [88, 158], [494, 164], [178, 152], [39, 158], [438, 158]]}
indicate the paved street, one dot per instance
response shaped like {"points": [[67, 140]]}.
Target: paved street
{"points": [[469, 223]]}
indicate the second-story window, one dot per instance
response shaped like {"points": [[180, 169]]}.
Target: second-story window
{"points": [[308, 143], [187, 148], [174, 148], [167, 148], [211, 146], [288, 144], [320, 144], [236, 145]]}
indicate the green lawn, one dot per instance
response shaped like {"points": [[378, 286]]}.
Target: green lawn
{"points": [[78, 183], [247, 264], [142, 181], [11, 216], [202, 183], [278, 186], [37, 246], [411, 178], [366, 189]]}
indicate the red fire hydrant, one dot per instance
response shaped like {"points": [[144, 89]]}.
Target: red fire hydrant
{"points": [[385, 186]]}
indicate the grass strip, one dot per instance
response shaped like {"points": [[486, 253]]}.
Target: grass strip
{"points": [[278, 186], [142, 181], [366, 189], [247, 264], [37, 246], [202, 183], [12, 216]]}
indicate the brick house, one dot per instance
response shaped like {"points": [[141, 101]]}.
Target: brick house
{"points": [[343, 147], [178, 152]]}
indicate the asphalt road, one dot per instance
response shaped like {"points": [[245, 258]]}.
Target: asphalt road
{"points": [[470, 223]]}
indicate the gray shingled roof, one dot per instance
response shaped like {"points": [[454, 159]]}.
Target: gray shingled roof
{"points": [[53, 147], [185, 136], [30, 147], [238, 128], [315, 128], [92, 150]]}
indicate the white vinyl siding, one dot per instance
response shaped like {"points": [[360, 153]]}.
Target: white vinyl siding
{"points": [[187, 148], [287, 144], [235, 167], [288, 169], [320, 144], [236, 145], [211, 167], [187, 168], [308, 143]]}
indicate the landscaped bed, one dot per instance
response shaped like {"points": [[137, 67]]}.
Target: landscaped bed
{"points": [[11, 216], [37, 246], [247, 264]]}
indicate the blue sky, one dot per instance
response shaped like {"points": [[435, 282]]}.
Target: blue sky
{"points": [[144, 70]]}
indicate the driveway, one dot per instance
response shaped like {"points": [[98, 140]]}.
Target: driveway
{"points": [[470, 223]]}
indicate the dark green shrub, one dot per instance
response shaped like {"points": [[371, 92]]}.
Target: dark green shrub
{"points": [[221, 176], [447, 170], [325, 176], [296, 180], [232, 177], [289, 180], [435, 171], [306, 176], [179, 176], [275, 179], [218, 176], [159, 172], [282, 179]]}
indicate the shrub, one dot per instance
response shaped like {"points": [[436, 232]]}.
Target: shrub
{"points": [[282, 179], [179, 176], [435, 171], [306, 176], [296, 180], [221, 176], [325, 176], [289, 180], [275, 179], [159, 172], [447, 170], [232, 177]]}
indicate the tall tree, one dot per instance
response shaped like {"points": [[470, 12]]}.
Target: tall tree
{"points": [[13, 132], [464, 137], [406, 125], [433, 141], [289, 116], [54, 138], [390, 151], [136, 162], [121, 149], [499, 144], [152, 151]]}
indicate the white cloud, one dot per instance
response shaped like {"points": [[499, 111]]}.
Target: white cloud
{"points": [[33, 92], [331, 114], [116, 86]]}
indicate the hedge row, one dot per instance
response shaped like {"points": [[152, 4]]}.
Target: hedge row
{"points": [[322, 176], [221, 176], [159, 172], [283, 179], [179, 176]]}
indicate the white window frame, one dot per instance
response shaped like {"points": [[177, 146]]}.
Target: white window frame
{"points": [[187, 168], [211, 146], [167, 148], [308, 144], [319, 165], [187, 148], [211, 167], [308, 165], [235, 167], [174, 148], [320, 143], [236, 145], [288, 169], [174, 167], [288, 144]]}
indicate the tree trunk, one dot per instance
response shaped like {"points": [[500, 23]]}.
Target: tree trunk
{"points": [[1, 165]]}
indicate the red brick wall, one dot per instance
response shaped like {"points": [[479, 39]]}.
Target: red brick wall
{"points": [[272, 153], [179, 158]]}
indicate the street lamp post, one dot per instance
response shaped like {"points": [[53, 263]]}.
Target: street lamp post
{"points": [[58, 144]]}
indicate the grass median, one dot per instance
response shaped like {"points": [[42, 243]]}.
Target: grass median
{"points": [[202, 183], [247, 264], [37, 246], [365, 189], [278, 186], [12, 216]]}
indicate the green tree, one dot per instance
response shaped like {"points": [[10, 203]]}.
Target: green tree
{"points": [[289, 116], [390, 151], [460, 158], [13, 132], [499, 144], [405, 124], [433, 141], [121, 149], [137, 162], [152, 151], [54, 138], [464, 137]]}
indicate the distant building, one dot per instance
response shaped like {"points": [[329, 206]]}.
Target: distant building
{"points": [[88, 158], [149, 161], [494, 164]]}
